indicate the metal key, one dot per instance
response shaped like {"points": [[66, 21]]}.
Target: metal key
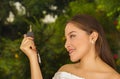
{"points": [[31, 34]]}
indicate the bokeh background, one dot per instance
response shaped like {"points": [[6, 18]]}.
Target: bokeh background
{"points": [[48, 18]]}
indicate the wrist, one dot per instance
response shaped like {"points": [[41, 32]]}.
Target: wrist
{"points": [[33, 58]]}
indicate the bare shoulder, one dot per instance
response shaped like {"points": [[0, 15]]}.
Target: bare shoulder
{"points": [[114, 76], [66, 67]]}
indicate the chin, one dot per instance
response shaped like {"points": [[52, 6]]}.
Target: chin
{"points": [[74, 60]]}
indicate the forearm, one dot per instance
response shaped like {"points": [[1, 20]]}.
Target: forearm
{"points": [[28, 47], [35, 69]]}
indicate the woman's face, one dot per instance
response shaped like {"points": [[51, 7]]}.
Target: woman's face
{"points": [[77, 42]]}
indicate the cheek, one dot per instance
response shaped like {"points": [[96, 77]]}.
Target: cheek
{"points": [[82, 44], [82, 48]]}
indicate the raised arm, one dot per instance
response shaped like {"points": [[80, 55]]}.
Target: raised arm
{"points": [[28, 47]]}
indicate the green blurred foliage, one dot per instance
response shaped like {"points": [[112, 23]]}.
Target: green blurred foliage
{"points": [[12, 63], [49, 38]]}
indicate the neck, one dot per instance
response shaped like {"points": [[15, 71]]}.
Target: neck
{"points": [[88, 61], [91, 62]]}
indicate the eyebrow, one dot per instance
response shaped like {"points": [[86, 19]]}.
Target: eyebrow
{"points": [[71, 32]]}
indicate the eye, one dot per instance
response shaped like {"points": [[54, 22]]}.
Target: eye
{"points": [[72, 36]]}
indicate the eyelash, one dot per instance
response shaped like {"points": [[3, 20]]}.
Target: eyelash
{"points": [[71, 36]]}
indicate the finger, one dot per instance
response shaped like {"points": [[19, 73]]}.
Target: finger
{"points": [[31, 46], [26, 39], [28, 48], [29, 43], [30, 38], [25, 35]]}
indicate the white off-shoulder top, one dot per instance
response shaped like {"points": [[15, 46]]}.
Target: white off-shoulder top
{"points": [[65, 75]]}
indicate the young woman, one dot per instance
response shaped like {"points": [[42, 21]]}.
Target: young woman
{"points": [[86, 46]]}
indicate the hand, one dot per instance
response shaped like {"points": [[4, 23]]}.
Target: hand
{"points": [[28, 47]]}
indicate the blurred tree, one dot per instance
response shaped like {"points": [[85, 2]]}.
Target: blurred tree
{"points": [[15, 12], [15, 16], [49, 36]]}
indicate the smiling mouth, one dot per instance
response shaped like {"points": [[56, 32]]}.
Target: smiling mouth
{"points": [[71, 51]]}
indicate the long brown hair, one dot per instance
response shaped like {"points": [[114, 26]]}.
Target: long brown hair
{"points": [[90, 24]]}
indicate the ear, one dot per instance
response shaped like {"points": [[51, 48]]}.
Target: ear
{"points": [[93, 37]]}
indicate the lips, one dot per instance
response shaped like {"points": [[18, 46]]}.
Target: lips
{"points": [[71, 51]]}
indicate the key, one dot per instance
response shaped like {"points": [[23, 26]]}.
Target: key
{"points": [[31, 34]]}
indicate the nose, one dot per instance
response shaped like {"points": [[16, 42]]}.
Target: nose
{"points": [[67, 44]]}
